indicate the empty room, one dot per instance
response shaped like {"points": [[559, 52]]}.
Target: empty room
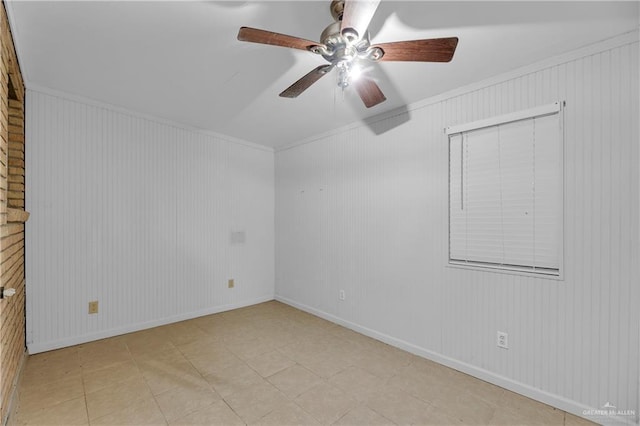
{"points": [[349, 212]]}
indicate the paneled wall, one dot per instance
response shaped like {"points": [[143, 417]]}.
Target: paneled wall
{"points": [[368, 215], [138, 214], [12, 217]]}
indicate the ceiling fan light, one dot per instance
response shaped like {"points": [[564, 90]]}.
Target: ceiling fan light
{"points": [[355, 72], [343, 74], [348, 72]]}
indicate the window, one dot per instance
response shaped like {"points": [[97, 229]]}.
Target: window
{"points": [[505, 192]]}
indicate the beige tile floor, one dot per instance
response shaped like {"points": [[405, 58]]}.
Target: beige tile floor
{"points": [[265, 364]]}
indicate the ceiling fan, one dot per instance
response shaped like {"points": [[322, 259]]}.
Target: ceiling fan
{"points": [[345, 45]]}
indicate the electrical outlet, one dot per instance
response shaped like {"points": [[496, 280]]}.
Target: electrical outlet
{"points": [[341, 295], [93, 307], [503, 340], [231, 283]]}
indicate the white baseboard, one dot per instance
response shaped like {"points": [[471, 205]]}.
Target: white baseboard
{"points": [[553, 400], [35, 348]]}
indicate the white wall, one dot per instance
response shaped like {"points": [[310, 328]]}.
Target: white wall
{"points": [[369, 214], [137, 214]]}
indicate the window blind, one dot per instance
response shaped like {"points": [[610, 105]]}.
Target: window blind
{"points": [[505, 194]]}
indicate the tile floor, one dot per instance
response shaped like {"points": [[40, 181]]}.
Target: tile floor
{"points": [[265, 364]]}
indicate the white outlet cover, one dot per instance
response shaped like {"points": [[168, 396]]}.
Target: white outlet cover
{"points": [[503, 340]]}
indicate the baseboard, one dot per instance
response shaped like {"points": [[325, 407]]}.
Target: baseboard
{"points": [[13, 397], [38, 347], [553, 400]]}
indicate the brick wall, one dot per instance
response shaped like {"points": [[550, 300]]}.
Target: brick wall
{"points": [[12, 217]]}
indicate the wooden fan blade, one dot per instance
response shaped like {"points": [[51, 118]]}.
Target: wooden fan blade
{"points": [[429, 50], [305, 82], [357, 15], [254, 35], [369, 92]]}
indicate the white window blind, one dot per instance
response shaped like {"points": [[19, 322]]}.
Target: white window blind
{"points": [[505, 193]]}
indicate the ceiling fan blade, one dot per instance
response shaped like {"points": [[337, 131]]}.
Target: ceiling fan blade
{"points": [[429, 50], [369, 92], [254, 35], [357, 15], [305, 82]]}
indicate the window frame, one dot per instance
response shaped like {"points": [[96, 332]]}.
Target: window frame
{"points": [[532, 113]]}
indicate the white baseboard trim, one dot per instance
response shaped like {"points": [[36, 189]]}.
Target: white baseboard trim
{"points": [[37, 347], [553, 400]]}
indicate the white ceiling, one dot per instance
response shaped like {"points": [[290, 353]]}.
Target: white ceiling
{"points": [[181, 61]]}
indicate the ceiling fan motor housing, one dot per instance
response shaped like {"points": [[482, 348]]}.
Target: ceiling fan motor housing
{"points": [[331, 35], [336, 47]]}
